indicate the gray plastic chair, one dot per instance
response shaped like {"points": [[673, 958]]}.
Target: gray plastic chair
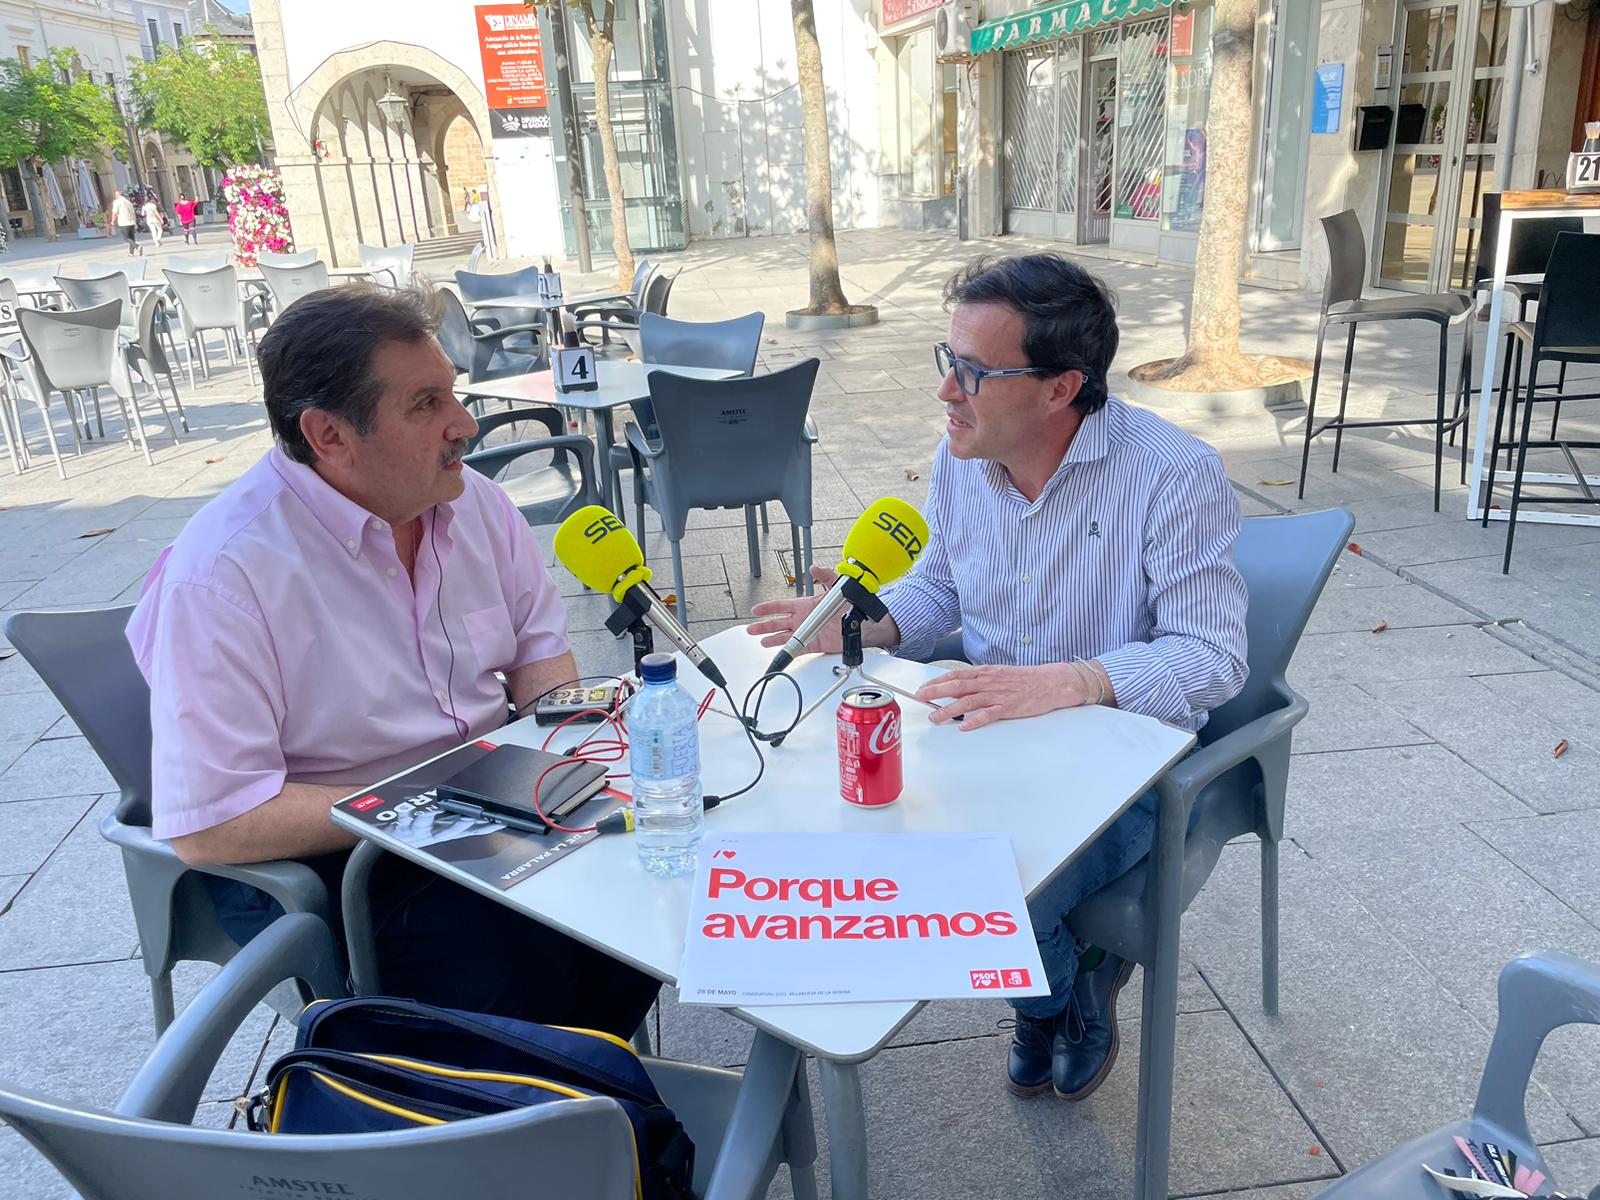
{"points": [[86, 662], [1342, 305], [529, 323], [81, 351], [91, 292], [146, 1150], [482, 350], [287, 284], [133, 268], [1539, 993], [625, 321], [300, 258], [389, 264], [192, 262], [147, 357], [712, 455], [476, 257], [629, 304], [547, 493], [210, 300], [1238, 779]]}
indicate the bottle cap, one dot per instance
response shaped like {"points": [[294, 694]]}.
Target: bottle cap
{"points": [[658, 668]]}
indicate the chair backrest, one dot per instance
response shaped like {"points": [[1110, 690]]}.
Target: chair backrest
{"points": [[1568, 316], [1531, 241], [103, 289], [486, 287], [86, 662], [455, 332], [133, 268], [195, 262], [77, 349], [1347, 258], [288, 284], [300, 258], [207, 299], [728, 442], [731, 345], [8, 292], [147, 339], [1285, 562], [396, 260], [657, 292], [576, 1148], [641, 274], [476, 257]]}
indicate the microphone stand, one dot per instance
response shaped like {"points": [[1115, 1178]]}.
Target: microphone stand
{"points": [[628, 617], [864, 606]]}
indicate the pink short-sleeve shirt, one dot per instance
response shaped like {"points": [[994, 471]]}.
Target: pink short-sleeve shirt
{"points": [[284, 640]]}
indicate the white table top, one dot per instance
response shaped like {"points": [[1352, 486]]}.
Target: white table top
{"points": [[619, 383], [1051, 782]]}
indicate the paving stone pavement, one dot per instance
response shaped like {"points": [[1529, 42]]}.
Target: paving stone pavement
{"points": [[1432, 832]]}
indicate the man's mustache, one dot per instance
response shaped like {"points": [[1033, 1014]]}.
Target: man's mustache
{"points": [[457, 451]]}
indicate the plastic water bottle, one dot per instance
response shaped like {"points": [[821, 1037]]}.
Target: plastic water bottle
{"points": [[664, 760]]}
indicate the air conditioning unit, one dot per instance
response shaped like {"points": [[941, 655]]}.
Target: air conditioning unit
{"points": [[952, 30]]}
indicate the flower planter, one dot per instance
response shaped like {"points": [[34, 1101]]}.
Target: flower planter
{"points": [[257, 216], [90, 231]]}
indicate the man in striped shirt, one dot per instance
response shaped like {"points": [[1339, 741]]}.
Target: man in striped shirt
{"points": [[1084, 548]]}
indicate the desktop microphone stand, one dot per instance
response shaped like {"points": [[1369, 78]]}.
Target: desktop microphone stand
{"points": [[864, 605], [628, 617]]}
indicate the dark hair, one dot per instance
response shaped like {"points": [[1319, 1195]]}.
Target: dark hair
{"points": [[1069, 315], [318, 354]]}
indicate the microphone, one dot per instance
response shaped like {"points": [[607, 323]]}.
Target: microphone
{"points": [[881, 546], [598, 549]]}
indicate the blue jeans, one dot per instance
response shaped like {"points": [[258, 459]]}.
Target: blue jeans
{"points": [[1113, 854]]}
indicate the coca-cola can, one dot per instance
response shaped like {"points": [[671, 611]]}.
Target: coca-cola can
{"points": [[870, 772]]}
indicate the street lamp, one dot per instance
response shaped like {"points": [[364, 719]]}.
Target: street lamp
{"points": [[125, 109], [394, 106]]}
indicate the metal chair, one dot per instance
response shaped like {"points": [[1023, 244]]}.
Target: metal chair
{"points": [[480, 349], [710, 454], [81, 351], [91, 292], [210, 300], [547, 493], [300, 258], [1235, 784], [393, 262], [285, 285], [1342, 305], [147, 357], [145, 1149], [1539, 993], [1567, 330], [86, 662]]}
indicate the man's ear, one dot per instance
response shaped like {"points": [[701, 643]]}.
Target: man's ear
{"points": [[329, 437], [1067, 386]]}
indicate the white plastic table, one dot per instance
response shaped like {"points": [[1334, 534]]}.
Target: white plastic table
{"points": [[1051, 782], [1520, 206], [618, 383]]}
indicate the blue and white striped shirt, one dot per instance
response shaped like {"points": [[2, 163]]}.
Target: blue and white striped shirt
{"points": [[1125, 557]]}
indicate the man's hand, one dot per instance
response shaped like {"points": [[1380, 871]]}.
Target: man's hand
{"points": [[783, 617], [981, 695]]}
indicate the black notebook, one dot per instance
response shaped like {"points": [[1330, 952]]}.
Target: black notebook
{"points": [[502, 781]]}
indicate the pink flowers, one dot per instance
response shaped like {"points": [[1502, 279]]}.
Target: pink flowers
{"points": [[257, 217]]}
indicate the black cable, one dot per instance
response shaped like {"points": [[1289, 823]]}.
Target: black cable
{"points": [[438, 601], [747, 722]]}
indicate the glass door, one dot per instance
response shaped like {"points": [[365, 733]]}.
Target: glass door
{"points": [[1069, 150], [1482, 157], [1043, 152], [1102, 148]]}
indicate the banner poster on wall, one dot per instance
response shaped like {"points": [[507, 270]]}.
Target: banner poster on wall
{"points": [[513, 70]]}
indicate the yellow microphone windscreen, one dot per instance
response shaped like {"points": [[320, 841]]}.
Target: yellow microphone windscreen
{"points": [[883, 543], [598, 549]]}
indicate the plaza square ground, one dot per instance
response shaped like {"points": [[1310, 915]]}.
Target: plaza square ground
{"points": [[1432, 831]]}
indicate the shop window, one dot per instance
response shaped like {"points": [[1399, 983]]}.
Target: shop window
{"points": [[948, 98], [1141, 119], [1188, 98], [918, 125], [15, 195]]}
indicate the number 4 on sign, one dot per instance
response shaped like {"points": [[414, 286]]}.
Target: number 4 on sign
{"points": [[574, 368]]}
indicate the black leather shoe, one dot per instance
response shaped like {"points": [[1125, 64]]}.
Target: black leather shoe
{"points": [[1085, 1046], [1029, 1064]]}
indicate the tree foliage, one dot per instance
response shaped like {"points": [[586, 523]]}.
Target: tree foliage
{"points": [[44, 116], [207, 96]]}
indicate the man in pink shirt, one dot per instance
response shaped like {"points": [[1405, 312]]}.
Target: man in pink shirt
{"points": [[339, 614]]}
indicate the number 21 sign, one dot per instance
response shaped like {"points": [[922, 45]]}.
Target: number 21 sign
{"points": [[1583, 171]]}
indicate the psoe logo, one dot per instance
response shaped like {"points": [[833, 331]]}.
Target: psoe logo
{"points": [[886, 736], [984, 980], [597, 529]]}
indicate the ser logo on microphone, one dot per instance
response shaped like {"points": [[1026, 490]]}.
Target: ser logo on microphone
{"points": [[597, 529], [900, 532]]}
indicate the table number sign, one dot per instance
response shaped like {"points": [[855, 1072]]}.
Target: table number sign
{"points": [[1583, 166], [574, 367]]}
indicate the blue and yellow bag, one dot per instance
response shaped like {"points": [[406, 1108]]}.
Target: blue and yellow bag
{"points": [[371, 1064]]}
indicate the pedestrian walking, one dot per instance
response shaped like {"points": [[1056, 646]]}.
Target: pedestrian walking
{"points": [[185, 209], [126, 220], [153, 220]]}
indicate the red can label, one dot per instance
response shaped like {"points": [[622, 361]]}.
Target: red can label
{"points": [[869, 748]]}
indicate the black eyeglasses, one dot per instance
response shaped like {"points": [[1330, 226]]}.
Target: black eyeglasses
{"points": [[969, 375]]}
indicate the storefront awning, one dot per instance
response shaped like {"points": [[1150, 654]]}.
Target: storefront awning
{"points": [[1056, 20]]}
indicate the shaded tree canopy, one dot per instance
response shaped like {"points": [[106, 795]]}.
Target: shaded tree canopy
{"points": [[207, 96]]}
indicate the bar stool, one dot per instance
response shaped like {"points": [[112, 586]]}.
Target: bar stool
{"points": [[1566, 330], [1342, 305]]}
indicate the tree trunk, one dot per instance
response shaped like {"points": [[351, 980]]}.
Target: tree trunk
{"points": [[827, 295], [1214, 310], [600, 35], [41, 198]]}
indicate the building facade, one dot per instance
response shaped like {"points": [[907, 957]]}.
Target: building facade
{"points": [[105, 38]]}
